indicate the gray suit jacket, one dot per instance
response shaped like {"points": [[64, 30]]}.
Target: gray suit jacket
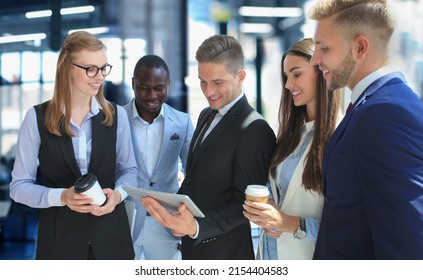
{"points": [[178, 131]]}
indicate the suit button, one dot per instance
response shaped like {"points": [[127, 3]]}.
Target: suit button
{"points": [[326, 200]]}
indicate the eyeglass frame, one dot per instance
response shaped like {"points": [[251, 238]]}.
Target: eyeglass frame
{"points": [[98, 69]]}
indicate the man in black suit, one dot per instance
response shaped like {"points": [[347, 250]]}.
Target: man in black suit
{"points": [[234, 152]]}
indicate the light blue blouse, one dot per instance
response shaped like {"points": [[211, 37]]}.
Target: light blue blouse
{"points": [[284, 173]]}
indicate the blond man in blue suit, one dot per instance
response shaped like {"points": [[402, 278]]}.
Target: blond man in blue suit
{"points": [[373, 163], [161, 137]]}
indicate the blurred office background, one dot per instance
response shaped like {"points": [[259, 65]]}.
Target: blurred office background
{"points": [[31, 33]]}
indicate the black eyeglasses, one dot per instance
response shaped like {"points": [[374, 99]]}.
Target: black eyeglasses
{"points": [[92, 71]]}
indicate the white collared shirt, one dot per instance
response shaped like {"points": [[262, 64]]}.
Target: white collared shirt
{"points": [[361, 86], [149, 137]]}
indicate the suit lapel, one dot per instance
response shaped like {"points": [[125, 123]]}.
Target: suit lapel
{"points": [[201, 120], [334, 139], [220, 128]]}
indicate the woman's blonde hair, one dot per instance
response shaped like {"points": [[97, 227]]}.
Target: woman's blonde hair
{"points": [[58, 113]]}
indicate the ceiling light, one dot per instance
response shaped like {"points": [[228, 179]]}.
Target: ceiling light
{"points": [[255, 28], [22, 38], [64, 11], [77, 10], [249, 11], [95, 30], [38, 14]]}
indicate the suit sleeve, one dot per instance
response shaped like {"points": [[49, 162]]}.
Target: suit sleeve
{"points": [[388, 147]]}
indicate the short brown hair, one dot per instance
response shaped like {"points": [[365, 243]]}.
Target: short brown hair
{"points": [[222, 49]]}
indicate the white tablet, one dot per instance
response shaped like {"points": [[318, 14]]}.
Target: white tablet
{"points": [[170, 201]]}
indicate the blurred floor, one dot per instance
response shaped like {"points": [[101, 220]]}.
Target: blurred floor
{"points": [[18, 226], [17, 250]]}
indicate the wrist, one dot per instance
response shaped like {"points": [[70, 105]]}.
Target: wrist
{"points": [[296, 224], [301, 231], [62, 198], [194, 229], [118, 197]]}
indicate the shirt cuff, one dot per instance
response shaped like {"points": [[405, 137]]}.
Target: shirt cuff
{"points": [[55, 197], [123, 193], [198, 230]]}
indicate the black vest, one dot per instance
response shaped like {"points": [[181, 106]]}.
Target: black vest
{"points": [[66, 234]]}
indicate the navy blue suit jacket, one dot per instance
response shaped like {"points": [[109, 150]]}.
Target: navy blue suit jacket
{"points": [[373, 177]]}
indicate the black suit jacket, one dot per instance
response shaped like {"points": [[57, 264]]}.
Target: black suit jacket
{"points": [[236, 153]]}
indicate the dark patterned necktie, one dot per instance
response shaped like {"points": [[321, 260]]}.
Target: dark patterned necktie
{"points": [[205, 127]]}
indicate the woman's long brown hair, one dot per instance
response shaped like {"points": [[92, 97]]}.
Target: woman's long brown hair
{"points": [[291, 121]]}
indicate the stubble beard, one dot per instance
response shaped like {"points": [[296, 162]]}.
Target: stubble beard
{"points": [[342, 74]]}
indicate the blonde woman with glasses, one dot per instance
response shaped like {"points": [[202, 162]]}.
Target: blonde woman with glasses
{"points": [[75, 133]]}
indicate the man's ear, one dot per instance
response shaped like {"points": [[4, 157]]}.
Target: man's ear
{"points": [[241, 75], [361, 46]]}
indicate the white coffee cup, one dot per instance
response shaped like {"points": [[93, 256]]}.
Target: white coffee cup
{"points": [[258, 193], [88, 185]]}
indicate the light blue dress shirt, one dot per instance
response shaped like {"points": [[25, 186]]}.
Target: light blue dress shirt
{"points": [[149, 137], [23, 188]]}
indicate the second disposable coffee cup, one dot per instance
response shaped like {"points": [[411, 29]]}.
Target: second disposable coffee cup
{"points": [[257, 193], [87, 184]]}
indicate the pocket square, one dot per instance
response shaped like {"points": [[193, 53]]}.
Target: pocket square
{"points": [[175, 136]]}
